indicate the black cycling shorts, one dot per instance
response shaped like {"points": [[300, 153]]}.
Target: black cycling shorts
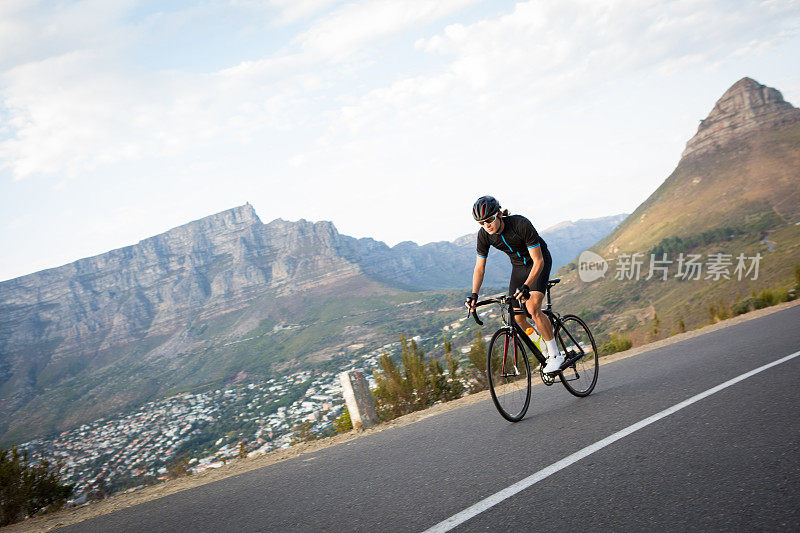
{"points": [[519, 273]]}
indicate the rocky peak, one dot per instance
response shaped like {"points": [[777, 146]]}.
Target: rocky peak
{"points": [[747, 106], [231, 219]]}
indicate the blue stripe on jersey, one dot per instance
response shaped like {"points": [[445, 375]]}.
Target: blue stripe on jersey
{"points": [[534, 246], [479, 255], [510, 250]]}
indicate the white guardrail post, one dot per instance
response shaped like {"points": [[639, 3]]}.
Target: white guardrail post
{"points": [[359, 400]]}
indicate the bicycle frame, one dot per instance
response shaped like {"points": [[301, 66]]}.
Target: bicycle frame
{"points": [[511, 325]]}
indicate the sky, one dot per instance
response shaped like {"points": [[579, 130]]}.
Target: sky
{"points": [[120, 120]]}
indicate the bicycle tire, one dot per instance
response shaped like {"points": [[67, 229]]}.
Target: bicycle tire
{"points": [[511, 393], [579, 378]]}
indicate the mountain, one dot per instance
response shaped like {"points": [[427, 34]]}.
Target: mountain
{"points": [[740, 168], [214, 301], [736, 187]]}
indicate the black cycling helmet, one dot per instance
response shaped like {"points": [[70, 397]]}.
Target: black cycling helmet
{"points": [[484, 207]]}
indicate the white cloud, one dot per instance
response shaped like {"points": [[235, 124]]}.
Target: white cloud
{"points": [[290, 11], [516, 99], [74, 113], [77, 111], [35, 30], [353, 26], [545, 52], [544, 90]]}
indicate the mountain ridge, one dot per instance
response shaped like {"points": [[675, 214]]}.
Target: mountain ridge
{"points": [[144, 319]]}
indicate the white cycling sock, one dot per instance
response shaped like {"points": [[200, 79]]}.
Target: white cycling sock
{"points": [[552, 347]]}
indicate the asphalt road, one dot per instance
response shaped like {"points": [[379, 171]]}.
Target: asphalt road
{"points": [[730, 462]]}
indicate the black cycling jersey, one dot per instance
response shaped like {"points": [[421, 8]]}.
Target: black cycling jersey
{"points": [[516, 239]]}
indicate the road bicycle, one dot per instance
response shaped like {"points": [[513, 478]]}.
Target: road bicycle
{"points": [[508, 369]]}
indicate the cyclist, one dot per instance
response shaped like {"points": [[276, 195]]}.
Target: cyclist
{"points": [[530, 267]]}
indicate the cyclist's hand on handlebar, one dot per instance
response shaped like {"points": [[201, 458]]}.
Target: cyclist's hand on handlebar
{"points": [[523, 293], [471, 301]]}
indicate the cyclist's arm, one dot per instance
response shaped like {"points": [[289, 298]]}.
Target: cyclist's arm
{"points": [[538, 265], [477, 275]]}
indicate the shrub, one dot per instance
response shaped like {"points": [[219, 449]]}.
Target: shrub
{"points": [[748, 304], [718, 311], [303, 433], [774, 296], [178, 467], [343, 423], [656, 330], [617, 343]]}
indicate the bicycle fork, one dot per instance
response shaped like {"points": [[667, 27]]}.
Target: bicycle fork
{"points": [[504, 372]]}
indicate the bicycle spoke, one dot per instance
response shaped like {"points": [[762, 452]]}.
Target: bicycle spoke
{"points": [[579, 376]]}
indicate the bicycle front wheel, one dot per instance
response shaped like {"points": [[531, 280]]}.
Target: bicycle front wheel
{"points": [[577, 342], [509, 375]]}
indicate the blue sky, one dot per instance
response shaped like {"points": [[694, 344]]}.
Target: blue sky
{"points": [[120, 120]]}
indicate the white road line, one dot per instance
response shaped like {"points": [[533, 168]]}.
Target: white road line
{"points": [[494, 499]]}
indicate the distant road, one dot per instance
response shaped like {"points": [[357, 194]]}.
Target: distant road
{"points": [[729, 461]]}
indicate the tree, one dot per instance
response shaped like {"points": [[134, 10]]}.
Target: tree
{"points": [[656, 331], [178, 467], [437, 382], [304, 434], [413, 360], [393, 396], [681, 326], [242, 450], [477, 357], [27, 488], [456, 387], [417, 383]]}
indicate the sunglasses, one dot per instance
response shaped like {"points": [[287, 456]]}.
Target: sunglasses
{"points": [[488, 220]]}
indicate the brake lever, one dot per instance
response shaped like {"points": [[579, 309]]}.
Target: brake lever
{"points": [[474, 315]]}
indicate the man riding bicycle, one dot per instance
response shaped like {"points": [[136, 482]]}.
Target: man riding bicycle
{"points": [[530, 267]]}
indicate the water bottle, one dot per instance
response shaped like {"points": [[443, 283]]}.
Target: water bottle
{"points": [[537, 340]]}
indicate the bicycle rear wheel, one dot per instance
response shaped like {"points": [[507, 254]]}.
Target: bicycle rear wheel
{"points": [[509, 374], [577, 342]]}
